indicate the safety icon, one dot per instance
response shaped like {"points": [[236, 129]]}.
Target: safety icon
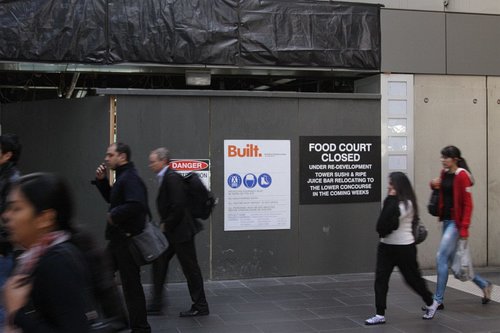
{"points": [[250, 180], [265, 180], [234, 180]]}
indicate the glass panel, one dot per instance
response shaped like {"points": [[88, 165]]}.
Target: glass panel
{"points": [[397, 108], [397, 89], [396, 126], [397, 162], [397, 143]]}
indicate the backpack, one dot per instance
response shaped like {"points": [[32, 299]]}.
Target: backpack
{"points": [[200, 200]]}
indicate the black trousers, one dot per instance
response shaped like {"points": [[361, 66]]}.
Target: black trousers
{"points": [[405, 258], [186, 254], [130, 277]]}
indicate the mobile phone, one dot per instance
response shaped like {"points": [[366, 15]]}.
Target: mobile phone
{"points": [[104, 168]]}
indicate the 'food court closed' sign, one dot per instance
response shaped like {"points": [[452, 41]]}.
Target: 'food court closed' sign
{"points": [[339, 169]]}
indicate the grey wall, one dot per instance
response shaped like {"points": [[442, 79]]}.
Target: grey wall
{"points": [[255, 253], [322, 239], [338, 238], [68, 137], [493, 177], [179, 123], [467, 6], [413, 41], [452, 110], [424, 42], [472, 42]]}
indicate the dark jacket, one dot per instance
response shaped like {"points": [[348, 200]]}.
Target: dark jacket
{"points": [[389, 216], [57, 301], [127, 200], [171, 202], [8, 174]]}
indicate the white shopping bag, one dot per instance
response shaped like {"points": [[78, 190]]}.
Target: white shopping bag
{"points": [[462, 262]]}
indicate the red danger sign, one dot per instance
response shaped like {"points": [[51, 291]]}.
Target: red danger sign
{"points": [[189, 165]]}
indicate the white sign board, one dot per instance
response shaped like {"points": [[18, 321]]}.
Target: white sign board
{"points": [[256, 184]]}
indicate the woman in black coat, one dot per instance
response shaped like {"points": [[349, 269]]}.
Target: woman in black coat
{"points": [[397, 247], [48, 291]]}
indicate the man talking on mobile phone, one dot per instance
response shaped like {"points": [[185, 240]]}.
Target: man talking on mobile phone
{"points": [[128, 210]]}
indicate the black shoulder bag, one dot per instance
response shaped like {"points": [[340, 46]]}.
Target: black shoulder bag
{"points": [[433, 205], [419, 230]]}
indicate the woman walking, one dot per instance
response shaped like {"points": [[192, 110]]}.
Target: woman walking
{"points": [[397, 246], [47, 290], [454, 210]]}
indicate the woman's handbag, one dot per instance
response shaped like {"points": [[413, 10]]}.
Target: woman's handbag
{"points": [[101, 317], [462, 263], [148, 245], [419, 230], [433, 205]]}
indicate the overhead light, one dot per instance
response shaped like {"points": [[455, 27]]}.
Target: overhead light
{"points": [[81, 93], [274, 83], [198, 78], [283, 81]]}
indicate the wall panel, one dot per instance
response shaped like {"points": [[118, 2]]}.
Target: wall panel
{"points": [[68, 137], [451, 110], [409, 45], [464, 6], [323, 238], [493, 170], [472, 44], [182, 125], [338, 238], [474, 6], [238, 254], [434, 5]]}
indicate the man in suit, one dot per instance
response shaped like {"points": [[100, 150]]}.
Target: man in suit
{"points": [[180, 228], [128, 209]]}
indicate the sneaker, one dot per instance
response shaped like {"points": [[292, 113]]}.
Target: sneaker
{"points": [[440, 307], [375, 320], [430, 311], [487, 293]]}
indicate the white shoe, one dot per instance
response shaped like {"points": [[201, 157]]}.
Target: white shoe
{"points": [[375, 320], [431, 310]]}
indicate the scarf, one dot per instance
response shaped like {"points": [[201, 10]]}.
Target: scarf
{"points": [[30, 258]]}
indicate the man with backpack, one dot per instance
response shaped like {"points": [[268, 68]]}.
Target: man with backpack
{"points": [[179, 227]]}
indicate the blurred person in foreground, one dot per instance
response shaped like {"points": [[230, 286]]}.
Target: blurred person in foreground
{"points": [[10, 150], [46, 290]]}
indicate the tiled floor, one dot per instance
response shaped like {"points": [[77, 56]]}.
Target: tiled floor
{"points": [[333, 303]]}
